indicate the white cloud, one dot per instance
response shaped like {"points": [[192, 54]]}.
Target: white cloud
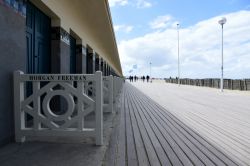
{"points": [[200, 49], [113, 3], [143, 4], [123, 28], [134, 3], [161, 22]]}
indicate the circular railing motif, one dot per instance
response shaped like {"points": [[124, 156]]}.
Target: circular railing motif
{"points": [[49, 113]]}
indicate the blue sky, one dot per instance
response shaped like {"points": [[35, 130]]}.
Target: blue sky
{"points": [[146, 32]]}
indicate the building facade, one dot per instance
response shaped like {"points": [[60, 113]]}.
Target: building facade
{"points": [[52, 36]]}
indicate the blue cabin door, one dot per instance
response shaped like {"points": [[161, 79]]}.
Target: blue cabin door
{"points": [[72, 55], [89, 61], [38, 27]]}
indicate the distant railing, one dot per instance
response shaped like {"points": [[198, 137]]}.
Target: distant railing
{"points": [[32, 100], [118, 83], [239, 84]]}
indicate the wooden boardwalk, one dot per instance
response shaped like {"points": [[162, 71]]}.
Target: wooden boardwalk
{"points": [[148, 134], [221, 118]]}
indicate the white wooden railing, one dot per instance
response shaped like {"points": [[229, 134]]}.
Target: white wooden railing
{"points": [[117, 84], [108, 93], [74, 88]]}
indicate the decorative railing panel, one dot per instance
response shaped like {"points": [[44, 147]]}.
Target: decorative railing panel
{"points": [[33, 99], [117, 84], [108, 93]]}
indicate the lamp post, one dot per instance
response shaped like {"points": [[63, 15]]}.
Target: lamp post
{"points": [[150, 71], [178, 54], [222, 22]]}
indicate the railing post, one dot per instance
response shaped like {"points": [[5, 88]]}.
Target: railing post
{"points": [[80, 106], [114, 89], [99, 109], [37, 105], [111, 93], [18, 113]]}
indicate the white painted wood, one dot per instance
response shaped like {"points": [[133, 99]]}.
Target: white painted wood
{"points": [[19, 114], [80, 105], [99, 109], [108, 93], [58, 133], [117, 84], [46, 122], [37, 106], [57, 77], [111, 93]]}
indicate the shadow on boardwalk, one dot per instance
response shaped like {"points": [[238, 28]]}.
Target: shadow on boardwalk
{"points": [[147, 134]]}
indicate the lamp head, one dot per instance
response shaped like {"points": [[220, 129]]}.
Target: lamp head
{"points": [[222, 21]]}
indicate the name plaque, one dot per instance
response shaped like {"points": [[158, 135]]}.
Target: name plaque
{"points": [[55, 78]]}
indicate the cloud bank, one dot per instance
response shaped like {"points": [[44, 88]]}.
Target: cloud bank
{"points": [[200, 48]]}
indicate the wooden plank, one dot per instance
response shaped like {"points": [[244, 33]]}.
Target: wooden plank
{"points": [[139, 144], [121, 151], [165, 145], [130, 144], [163, 158], [111, 153], [153, 159]]}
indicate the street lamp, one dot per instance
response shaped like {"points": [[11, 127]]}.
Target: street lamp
{"points": [[222, 22], [178, 54], [150, 71]]}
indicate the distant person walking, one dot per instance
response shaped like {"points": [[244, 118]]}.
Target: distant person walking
{"points": [[147, 78], [131, 78], [143, 78], [135, 78]]}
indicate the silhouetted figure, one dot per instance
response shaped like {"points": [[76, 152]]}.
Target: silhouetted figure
{"points": [[135, 78], [143, 78], [131, 78], [147, 78]]}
